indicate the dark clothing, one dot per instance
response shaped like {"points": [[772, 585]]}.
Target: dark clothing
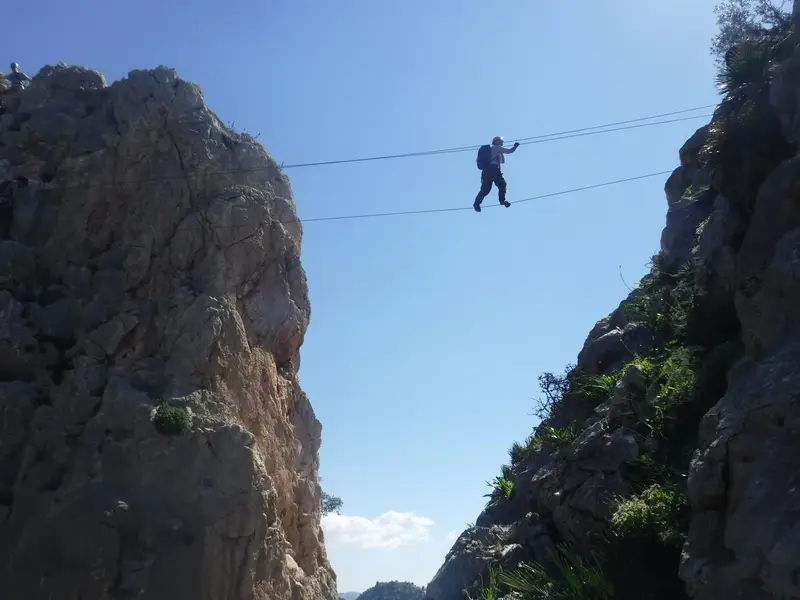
{"points": [[491, 175], [17, 80]]}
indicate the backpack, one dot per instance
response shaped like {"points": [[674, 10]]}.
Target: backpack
{"points": [[484, 157]]}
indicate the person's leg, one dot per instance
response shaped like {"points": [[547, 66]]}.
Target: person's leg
{"points": [[500, 182], [486, 187]]}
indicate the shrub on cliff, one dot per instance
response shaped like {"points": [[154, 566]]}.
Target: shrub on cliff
{"points": [[171, 420], [664, 303], [739, 19], [330, 504], [655, 512], [677, 378], [554, 387], [646, 535]]}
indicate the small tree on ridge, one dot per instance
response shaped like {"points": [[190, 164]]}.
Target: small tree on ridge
{"points": [[739, 19]]}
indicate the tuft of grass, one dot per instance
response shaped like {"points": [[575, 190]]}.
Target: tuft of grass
{"points": [[647, 365], [654, 512], [518, 452], [171, 420], [597, 388], [569, 577], [696, 193], [502, 485], [600, 388], [491, 591], [556, 437]]}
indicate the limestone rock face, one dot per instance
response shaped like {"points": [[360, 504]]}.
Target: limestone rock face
{"points": [[744, 486], [150, 258]]}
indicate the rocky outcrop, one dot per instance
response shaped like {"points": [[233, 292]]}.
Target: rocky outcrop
{"points": [[701, 367], [393, 590], [744, 486], [154, 439]]}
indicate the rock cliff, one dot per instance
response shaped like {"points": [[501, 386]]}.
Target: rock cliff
{"points": [[671, 450], [154, 439]]}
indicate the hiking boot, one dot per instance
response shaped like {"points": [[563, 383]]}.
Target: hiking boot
{"points": [[477, 207], [506, 203]]}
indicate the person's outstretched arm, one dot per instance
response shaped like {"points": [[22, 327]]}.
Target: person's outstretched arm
{"points": [[509, 150]]}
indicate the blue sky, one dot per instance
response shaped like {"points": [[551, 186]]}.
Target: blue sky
{"points": [[428, 332]]}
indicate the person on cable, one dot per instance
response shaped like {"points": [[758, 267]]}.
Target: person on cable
{"points": [[17, 78], [490, 159]]}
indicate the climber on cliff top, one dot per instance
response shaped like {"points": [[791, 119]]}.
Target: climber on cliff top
{"points": [[490, 159], [17, 78]]}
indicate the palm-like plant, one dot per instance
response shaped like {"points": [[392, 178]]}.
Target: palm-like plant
{"points": [[748, 71], [501, 487], [557, 438], [570, 577], [598, 388]]}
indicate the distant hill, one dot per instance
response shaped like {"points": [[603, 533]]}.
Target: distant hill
{"points": [[349, 595], [393, 590]]}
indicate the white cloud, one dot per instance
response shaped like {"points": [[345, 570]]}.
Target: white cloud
{"points": [[453, 535], [390, 530]]}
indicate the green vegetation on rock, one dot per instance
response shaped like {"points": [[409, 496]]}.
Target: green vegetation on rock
{"points": [[566, 576], [655, 511], [739, 20], [556, 437], [330, 504], [597, 388], [393, 590], [171, 420], [502, 485]]}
